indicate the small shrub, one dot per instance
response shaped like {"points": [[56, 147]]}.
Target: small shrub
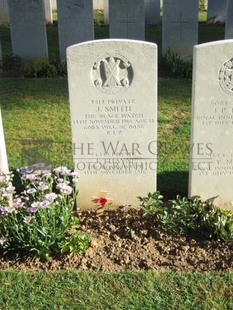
{"points": [[183, 215], [152, 204], [11, 63], [202, 6], [176, 66], [40, 68], [38, 220], [76, 242]]}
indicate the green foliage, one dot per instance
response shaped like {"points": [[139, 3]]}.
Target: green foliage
{"points": [[75, 243], [98, 18], [184, 215], [11, 62], [176, 66], [202, 6], [215, 222], [42, 68], [37, 220], [152, 204]]}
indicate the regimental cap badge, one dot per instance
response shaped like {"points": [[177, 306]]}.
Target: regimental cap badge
{"points": [[225, 77], [112, 74]]}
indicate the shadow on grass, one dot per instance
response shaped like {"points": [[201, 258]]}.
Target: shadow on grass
{"points": [[173, 183]]}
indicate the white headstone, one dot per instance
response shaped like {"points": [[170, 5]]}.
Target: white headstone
{"points": [[211, 162], [152, 12], [75, 23], [4, 17], [229, 20], [106, 12], [113, 106], [3, 156], [98, 4], [216, 9], [54, 5], [48, 11], [28, 29], [127, 19], [180, 27]]}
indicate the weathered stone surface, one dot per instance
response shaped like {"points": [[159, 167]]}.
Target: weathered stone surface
{"points": [[127, 19], [229, 20], [75, 23], [180, 27], [48, 11], [113, 106], [4, 16], [28, 29], [211, 162], [216, 11], [152, 12]]}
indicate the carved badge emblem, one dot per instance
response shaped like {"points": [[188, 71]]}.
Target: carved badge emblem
{"points": [[225, 77], [112, 74]]}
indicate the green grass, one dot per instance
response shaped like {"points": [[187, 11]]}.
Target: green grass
{"points": [[36, 111], [142, 291]]}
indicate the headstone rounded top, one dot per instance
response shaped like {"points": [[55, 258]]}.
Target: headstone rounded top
{"points": [[110, 42]]}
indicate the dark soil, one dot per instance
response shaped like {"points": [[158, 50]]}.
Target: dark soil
{"points": [[124, 241]]}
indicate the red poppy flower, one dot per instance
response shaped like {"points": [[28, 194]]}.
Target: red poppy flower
{"points": [[102, 201]]}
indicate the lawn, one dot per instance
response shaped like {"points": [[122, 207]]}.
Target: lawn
{"points": [[115, 291], [36, 117]]}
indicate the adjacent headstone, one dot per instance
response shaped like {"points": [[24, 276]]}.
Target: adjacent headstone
{"points": [[28, 29], [106, 12], [211, 162], [127, 19], [206, 4], [54, 5], [229, 20], [48, 11], [98, 4], [75, 23], [152, 12], [3, 155], [216, 11], [180, 27], [0, 54], [113, 106], [4, 17]]}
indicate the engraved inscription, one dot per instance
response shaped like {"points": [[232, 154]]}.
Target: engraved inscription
{"points": [[225, 77], [112, 74]]}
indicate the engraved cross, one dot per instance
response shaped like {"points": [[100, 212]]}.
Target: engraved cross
{"points": [[180, 22], [127, 22]]}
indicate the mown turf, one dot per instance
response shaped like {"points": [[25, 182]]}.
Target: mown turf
{"points": [[143, 290]]}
